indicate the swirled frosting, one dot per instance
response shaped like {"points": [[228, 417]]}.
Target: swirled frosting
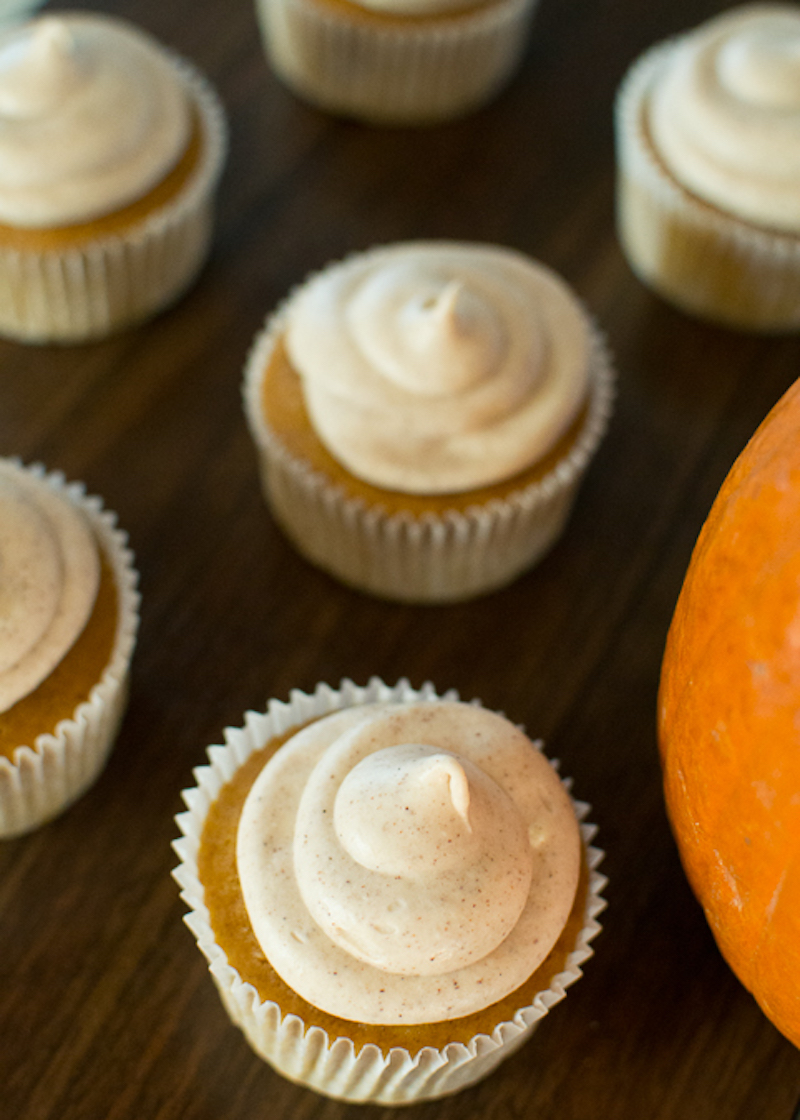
{"points": [[91, 118], [436, 367], [49, 574], [405, 863], [725, 114]]}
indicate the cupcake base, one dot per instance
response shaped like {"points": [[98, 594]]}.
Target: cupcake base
{"points": [[308, 1054], [44, 778], [76, 291], [704, 261], [434, 556], [394, 69]]}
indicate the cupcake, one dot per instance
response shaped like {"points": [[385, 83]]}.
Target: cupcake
{"points": [[708, 136], [391, 889], [70, 613], [395, 61], [110, 150], [423, 415]]}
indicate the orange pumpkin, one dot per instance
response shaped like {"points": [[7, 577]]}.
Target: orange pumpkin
{"points": [[729, 717]]}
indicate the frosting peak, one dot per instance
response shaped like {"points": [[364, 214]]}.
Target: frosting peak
{"points": [[407, 862], [92, 116], [725, 113], [438, 367], [35, 76], [441, 834], [405, 809], [763, 67], [433, 338]]}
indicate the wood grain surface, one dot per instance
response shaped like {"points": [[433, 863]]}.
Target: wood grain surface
{"points": [[107, 1011]]}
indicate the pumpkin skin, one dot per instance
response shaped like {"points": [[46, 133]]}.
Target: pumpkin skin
{"points": [[729, 717]]}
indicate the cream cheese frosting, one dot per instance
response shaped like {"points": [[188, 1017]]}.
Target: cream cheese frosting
{"points": [[406, 863], [92, 116], [725, 113], [436, 367], [49, 575]]}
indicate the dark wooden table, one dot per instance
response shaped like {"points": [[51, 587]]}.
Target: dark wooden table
{"points": [[106, 1008]]}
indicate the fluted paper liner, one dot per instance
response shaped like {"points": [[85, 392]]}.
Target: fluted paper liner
{"points": [[703, 260], [306, 1054], [432, 558], [394, 69], [45, 777], [86, 291]]}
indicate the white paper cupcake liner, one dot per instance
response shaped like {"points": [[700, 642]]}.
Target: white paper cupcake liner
{"points": [[307, 1054], [87, 291], [381, 70], [43, 778], [706, 262], [428, 559]]}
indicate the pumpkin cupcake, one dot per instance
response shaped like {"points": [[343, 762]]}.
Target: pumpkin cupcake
{"points": [[110, 150], [708, 135], [423, 415], [395, 61], [372, 952], [70, 614]]}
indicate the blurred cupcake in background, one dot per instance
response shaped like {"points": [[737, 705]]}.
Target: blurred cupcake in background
{"points": [[708, 140], [70, 615], [395, 61], [110, 150], [424, 413]]}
